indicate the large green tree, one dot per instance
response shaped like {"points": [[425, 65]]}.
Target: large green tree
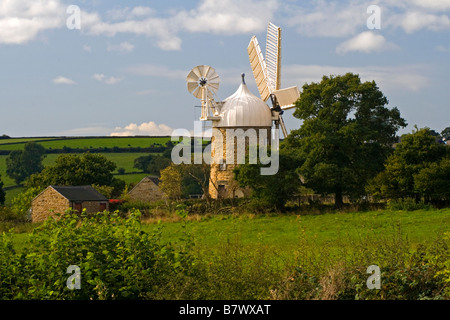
{"points": [[416, 151], [270, 191], [76, 170], [346, 135], [20, 164]]}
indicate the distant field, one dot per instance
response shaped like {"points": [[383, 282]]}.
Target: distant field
{"points": [[95, 142], [20, 140], [123, 160]]}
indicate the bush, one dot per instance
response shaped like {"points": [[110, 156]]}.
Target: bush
{"points": [[407, 204], [116, 258]]}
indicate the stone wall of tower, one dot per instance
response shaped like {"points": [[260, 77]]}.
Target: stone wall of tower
{"points": [[222, 183]]}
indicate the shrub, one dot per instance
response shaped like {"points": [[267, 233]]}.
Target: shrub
{"points": [[407, 204], [116, 258]]}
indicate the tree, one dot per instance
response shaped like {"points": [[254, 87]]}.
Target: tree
{"points": [[77, 170], [152, 163], [346, 135], [195, 179], [416, 151], [446, 133], [433, 181], [171, 181], [2, 192], [20, 164], [270, 191]]}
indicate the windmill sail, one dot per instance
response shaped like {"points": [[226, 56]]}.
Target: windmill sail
{"points": [[259, 68], [267, 73], [273, 56]]}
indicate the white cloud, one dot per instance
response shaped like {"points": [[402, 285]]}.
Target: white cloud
{"points": [[145, 129], [366, 42], [399, 78], [328, 19], [123, 47], [63, 80], [413, 21], [107, 80], [227, 16], [433, 4], [21, 20]]}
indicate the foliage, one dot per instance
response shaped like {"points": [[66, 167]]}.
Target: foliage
{"points": [[170, 182], [2, 192], [346, 135], [151, 163], [120, 258], [76, 170], [23, 163], [117, 260], [446, 133], [22, 202], [269, 192], [416, 151], [433, 181], [407, 204]]}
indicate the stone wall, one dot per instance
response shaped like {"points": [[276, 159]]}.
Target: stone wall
{"points": [[146, 191], [222, 183], [92, 206], [47, 204]]}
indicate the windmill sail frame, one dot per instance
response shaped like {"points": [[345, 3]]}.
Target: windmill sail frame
{"points": [[267, 74]]}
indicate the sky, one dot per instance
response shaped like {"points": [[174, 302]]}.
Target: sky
{"points": [[109, 67]]}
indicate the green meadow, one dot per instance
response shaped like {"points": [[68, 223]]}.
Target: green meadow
{"points": [[123, 160]]}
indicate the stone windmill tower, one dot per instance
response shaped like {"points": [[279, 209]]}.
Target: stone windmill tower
{"points": [[242, 122]]}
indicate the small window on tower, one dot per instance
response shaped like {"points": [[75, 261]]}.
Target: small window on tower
{"points": [[222, 166]]}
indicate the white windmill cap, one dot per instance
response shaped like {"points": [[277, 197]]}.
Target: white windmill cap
{"points": [[244, 109]]}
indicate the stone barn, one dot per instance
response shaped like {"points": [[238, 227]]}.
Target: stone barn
{"points": [[147, 190], [58, 199]]}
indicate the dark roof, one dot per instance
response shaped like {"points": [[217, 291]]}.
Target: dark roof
{"points": [[80, 193], [154, 179]]}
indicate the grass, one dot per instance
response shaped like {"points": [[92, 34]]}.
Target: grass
{"points": [[284, 232], [312, 256], [88, 142]]}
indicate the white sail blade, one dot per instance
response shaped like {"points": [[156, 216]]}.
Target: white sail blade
{"points": [[258, 67], [273, 56], [286, 97]]}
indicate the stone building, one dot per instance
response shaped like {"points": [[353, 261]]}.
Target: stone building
{"points": [[58, 199], [244, 121], [146, 190]]}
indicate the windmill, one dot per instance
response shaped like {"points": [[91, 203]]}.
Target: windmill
{"points": [[203, 83], [267, 74]]}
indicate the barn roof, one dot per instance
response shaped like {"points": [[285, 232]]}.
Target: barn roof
{"points": [[80, 193]]}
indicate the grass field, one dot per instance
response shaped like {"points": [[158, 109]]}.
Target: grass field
{"points": [[276, 256], [284, 233], [122, 160], [97, 142]]}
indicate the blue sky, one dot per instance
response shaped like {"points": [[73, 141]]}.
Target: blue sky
{"points": [[123, 72]]}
